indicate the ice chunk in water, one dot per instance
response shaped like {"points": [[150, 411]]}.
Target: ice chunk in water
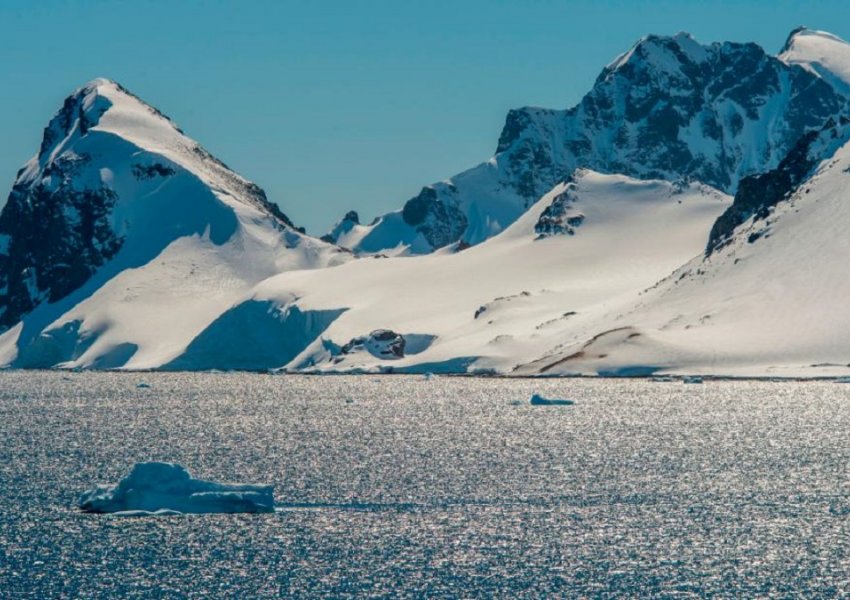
{"points": [[168, 487], [538, 400]]}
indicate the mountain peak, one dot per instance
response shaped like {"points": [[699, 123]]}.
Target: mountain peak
{"points": [[87, 108], [801, 32], [106, 107], [668, 108], [101, 85], [114, 183], [821, 53], [662, 51]]}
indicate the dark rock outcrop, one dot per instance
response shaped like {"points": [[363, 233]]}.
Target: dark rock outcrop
{"points": [[57, 237], [439, 222], [381, 343], [348, 222], [559, 218], [757, 194]]}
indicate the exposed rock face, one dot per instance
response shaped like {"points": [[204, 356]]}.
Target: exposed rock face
{"points": [[757, 194], [152, 171], [56, 228], [669, 108], [560, 217], [348, 222], [56, 239], [439, 222], [381, 343], [672, 108]]}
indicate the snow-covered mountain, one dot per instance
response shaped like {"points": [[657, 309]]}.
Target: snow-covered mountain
{"points": [[822, 53], [769, 298], [668, 108], [124, 244], [123, 238], [593, 240]]}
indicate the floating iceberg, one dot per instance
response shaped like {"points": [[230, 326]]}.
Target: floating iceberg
{"points": [[538, 400], [156, 488]]}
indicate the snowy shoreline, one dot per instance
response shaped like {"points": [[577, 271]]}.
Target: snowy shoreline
{"points": [[674, 378]]}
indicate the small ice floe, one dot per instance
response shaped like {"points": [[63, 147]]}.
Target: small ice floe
{"points": [[428, 376], [663, 379], [538, 400], [157, 488], [692, 379]]}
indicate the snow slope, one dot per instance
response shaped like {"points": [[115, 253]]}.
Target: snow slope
{"points": [[668, 108], [772, 300], [822, 53], [464, 311], [122, 239]]}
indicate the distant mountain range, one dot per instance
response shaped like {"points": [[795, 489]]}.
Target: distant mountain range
{"points": [[686, 216], [669, 108]]}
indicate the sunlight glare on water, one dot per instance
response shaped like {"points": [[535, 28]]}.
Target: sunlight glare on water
{"points": [[405, 487]]}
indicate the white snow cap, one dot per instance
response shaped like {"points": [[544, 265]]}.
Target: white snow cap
{"points": [[819, 52]]}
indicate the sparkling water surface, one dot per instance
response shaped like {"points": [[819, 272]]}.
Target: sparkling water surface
{"points": [[398, 486]]}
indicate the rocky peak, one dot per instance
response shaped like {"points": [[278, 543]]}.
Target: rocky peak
{"points": [[668, 108], [343, 226], [821, 53], [80, 112], [661, 53], [797, 32], [671, 108], [802, 34], [104, 157]]}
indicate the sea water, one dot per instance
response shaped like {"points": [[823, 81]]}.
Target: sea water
{"points": [[396, 486]]}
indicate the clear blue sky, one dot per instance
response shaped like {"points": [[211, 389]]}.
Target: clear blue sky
{"points": [[332, 106]]}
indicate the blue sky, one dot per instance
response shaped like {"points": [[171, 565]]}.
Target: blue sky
{"points": [[332, 106]]}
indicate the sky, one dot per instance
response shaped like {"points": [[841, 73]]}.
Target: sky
{"points": [[338, 105]]}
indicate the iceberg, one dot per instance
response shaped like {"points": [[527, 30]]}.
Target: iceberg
{"points": [[159, 488], [538, 400]]}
